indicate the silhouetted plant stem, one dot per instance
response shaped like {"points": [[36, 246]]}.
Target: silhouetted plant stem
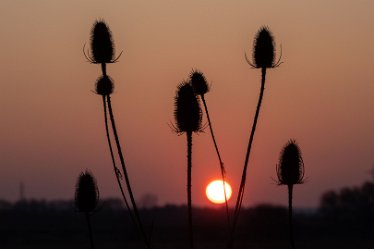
{"points": [[90, 233], [290, 219], [223, 172], [103, 68], [189, 186], [127, 180], [116, 170], [239, 199]]}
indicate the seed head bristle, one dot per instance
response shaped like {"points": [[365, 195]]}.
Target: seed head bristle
{"points": [[187, 112], [290, 169], [102, 46], [198, 82], [86, 193], [104, 85], [263, 49]]}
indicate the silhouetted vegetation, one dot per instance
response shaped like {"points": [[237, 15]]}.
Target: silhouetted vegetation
{"points": [[188, 120], [56, 224], [290, 171], [263, 58], [201, 87]]}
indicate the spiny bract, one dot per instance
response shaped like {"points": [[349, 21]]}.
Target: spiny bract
{"points": [[86, 193], [263, 49], [198, 82], [290, 169], [187, 109], [102, 46], [104, 85]]}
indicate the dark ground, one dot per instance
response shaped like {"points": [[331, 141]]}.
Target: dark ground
{"points": [[39, 224]]}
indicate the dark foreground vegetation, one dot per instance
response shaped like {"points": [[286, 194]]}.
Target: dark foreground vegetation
{"points": [[344, 220]]}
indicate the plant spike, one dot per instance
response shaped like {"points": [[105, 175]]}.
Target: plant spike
{"points": [[263, 58]]}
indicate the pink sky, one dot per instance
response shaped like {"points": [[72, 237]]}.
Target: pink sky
{"points": [[52, 124]]}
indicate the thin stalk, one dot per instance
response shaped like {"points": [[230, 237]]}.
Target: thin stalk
{"points": [[239, 199], [103, 68], [292, 240], [223, 171], [90, 233], [127, 180], [189, 186], [117, 172]]}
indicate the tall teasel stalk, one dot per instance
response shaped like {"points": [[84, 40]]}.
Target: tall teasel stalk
{"points": [[201, 87], [290, 171], [188, 120], [102, 52], [263, 58], [86, 199]]}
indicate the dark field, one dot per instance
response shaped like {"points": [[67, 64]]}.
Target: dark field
{"points": [[39, 224]]}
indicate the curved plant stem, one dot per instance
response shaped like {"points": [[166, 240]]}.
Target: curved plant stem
{"points": [[90, 233], [239, 199], [117, 172], [126, 176], [222, 168], [189, 180], [292, 240]]}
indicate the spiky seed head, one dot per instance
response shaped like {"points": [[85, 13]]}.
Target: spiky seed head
{"points": [[86, 193], [187, 109], [263, 49], [290, 169], [102, 46], [198, 82], [104, 85]]}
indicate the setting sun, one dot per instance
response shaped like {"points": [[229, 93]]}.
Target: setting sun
{"points": [[214, 191]]}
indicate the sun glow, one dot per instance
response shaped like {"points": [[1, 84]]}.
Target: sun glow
{"points": [[214, 191]]}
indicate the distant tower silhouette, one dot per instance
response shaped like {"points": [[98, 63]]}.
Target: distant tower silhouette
{"points": [[21, 191]]}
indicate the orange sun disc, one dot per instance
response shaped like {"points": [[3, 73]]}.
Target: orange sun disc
{"points": [[214, 191]]}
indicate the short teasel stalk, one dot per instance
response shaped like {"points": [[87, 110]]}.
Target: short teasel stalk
{"points": [[263, 58], [188, 119], [86, 199], [102, 52], [201, 87], [290, 171]]}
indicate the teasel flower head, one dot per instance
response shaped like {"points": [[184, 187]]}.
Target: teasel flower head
{"points": [[198, 82], [188, 115], [86, 193], [264, 50], [102, 45], [104, 85], [290, 169]]}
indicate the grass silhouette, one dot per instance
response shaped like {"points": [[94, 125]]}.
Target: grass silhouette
{"points": [[188, 119], [290, 171], [263, 58], [102, 52], [201, 87], [86, 199]]}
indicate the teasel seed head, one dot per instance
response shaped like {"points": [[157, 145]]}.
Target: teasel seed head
{"points": [[187, 112], [198, 82], [102, 45], [104, 85], [264, 50], [86, 193], [290, 169]]}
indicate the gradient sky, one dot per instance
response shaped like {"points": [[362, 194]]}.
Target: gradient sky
{"points": [[52, 124]]}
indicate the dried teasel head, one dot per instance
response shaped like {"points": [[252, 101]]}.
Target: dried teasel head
{"points": [[198, 82], [86, 193], [104, 85], [264, 50], [102, 45], [290, 169], [187, 112]]}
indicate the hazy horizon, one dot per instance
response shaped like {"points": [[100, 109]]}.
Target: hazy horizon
{"points": [[52, 125]]}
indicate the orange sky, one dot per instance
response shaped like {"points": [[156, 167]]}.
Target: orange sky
{"points": [[52, 123]]}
